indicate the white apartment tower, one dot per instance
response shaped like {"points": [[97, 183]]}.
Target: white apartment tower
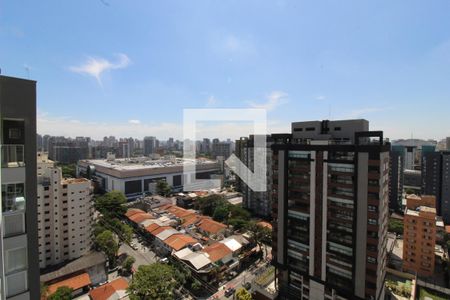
{"points": [[64, 214]]}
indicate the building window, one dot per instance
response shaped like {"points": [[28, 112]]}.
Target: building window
{"points": [[372, 222], [371, 260], [13, 197], [16, 260]]}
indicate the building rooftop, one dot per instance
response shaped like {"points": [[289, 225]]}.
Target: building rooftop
{"points": [[79, 264], [217, 251], [75, 282], [75, 180], [123, 164], [133, 211], [232, 244], [139, 217], [115, 289], [197, 259], [179, 241], [211, 226]]}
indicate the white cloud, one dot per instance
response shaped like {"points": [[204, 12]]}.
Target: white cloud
{"points": [[321, 97], [134, 121], [232, 45], [96, 66], [358, 113], [274, 99], [70, 127], [212, 101]]}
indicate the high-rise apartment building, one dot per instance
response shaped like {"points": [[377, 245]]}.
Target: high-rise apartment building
{"points": [[447, 142], [330, 211], [410, 157], [224, 148], [396, 177], [19, 268], [66, 150], [419, 235], [259, 203], [436, 179], [149, 145], [64, 214]]}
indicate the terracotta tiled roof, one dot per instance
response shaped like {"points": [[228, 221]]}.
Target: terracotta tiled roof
{"points": [[447, 228], [265, 224], [211, 226], [179, 241], [160, 229], [133, 211], [139, 217], [152, 227], [217, 251], [105, 291], [75, 282], [191, 219], [179, 211], [165, 206]]}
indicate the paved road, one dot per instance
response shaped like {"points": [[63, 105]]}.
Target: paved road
{"points": [[143, 255]]}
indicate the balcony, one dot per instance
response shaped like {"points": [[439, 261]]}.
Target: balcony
{"points": [[13, 156], [13, 197]]}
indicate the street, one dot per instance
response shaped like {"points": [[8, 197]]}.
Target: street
{"points": [[143, 255]]}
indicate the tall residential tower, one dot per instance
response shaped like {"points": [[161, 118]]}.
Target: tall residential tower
{"points": [[330, 211], [19, 268]]}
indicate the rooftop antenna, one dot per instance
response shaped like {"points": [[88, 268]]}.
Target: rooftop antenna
{"points": [[27, 68]]}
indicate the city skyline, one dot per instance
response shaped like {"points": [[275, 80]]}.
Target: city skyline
{"points": [[132, 70]]}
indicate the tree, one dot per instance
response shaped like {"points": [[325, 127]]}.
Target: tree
{"points": [[152, 282], [221, 213], [127, 264], [163, 188], [69, 170], [62, 293], [111, 204], [107, 243], [196, 285], [243, 294], [44, 290], [396, 226], [238, 224], [258, 234], [208, 204]]}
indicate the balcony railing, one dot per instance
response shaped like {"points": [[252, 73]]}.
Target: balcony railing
{"points": [[13, 156]]}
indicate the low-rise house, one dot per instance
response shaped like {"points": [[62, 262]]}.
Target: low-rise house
{"points": [[198, 263], [114, 290], [94, 264], [78, 283], [179, 241], [210, 227], [218, 253]]}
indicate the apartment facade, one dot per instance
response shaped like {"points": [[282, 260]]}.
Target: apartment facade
{"points": [[19, 269], [330, 211], [419, 235], [396, 177], [436, 179], [64, 214], [260, 203], [150, 145]]}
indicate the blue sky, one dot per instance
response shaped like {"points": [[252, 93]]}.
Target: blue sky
{"points": [[129, 68]]}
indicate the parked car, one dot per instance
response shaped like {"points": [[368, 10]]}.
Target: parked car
{"points": [[229, 292]]}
